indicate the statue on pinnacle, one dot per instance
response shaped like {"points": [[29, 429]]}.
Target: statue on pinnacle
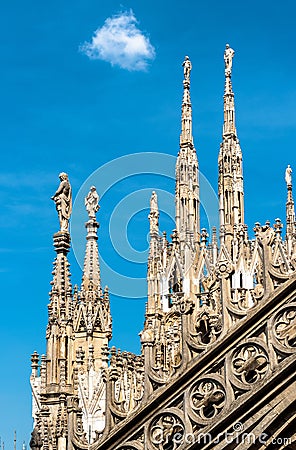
{"points": [[187, 68], [288, 176], [228, 56], [63, 201], [92, 203], [154, 213]]}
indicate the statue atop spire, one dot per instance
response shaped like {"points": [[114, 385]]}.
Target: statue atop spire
{"points": [[154, 213], [231, 192], [91, 273], [187, 186], [186, 134], [288, 176], [63, 202], [228, 56], [92, 203], [187, 68]]}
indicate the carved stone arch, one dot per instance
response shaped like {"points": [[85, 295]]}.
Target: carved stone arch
{"points": [[242, 268], [277, 276], [175, 275], [208, 326], [156, 379], [224, 265], [167, 430], [203, 263], [80, 324], [166, 355], [174, 261], [99, 322], [279, 252], [256, 271], [248, 363], [279, 267]]}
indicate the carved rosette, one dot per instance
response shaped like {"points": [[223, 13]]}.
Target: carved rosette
{"points": [[206, 399], [283, 329], [248, 364], [167, 431], [223, 269]]}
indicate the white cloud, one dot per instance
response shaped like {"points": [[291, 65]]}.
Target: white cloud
{"points": [[120, 42]]}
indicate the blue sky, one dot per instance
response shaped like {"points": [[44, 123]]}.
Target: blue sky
{"points": [[63, 108]]}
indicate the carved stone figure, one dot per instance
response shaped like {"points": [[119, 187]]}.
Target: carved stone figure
{"points": [[92, 203], [63, 201], [153, 216], [153, 202], [288, 175], [187, 68], [228, 55], [35, 442]]}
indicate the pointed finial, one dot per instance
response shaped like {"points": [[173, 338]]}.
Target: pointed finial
{"points": [[187, 68], [92, 203], [288, 176], [63, 201], [228, 56]]}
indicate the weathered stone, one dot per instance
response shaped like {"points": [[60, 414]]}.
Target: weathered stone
{"points": [[218, 363]]}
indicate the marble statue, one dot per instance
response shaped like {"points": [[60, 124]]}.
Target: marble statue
{"points": [[187, 68], [153, 216], [153, 202], [63, 201], [92, 203], [288, 175], [228, 56]]}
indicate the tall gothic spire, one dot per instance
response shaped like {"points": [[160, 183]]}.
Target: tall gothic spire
{"points": [[229, 112], [93, 308], [91, 273], [154, 257], [187, 186], [56, 364], [231, 193]]}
